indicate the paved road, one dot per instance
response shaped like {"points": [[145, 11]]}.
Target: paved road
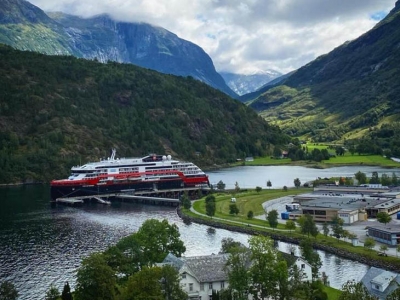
{"points": [[358, 228]]}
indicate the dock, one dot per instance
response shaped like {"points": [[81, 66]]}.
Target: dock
{"points": [[163, 197], [69, 201]]}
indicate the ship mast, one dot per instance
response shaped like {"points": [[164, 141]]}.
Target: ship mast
{"points": [[113, 154]]}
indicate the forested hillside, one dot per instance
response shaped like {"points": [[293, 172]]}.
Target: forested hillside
{"points": [[25, 26], [60, 111], [345, 93]]}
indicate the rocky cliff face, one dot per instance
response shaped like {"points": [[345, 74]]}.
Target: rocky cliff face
{"points": [[26, 27], [243, 84]]}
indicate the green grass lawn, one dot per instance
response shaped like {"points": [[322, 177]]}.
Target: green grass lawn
{"points": [[251, 200], [246, 201], [348, 159], [333, 294]]}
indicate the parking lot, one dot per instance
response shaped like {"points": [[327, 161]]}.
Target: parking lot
{"points": [[358, 228]]}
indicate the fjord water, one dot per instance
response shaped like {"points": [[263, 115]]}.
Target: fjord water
{"points": [[41, 245]]}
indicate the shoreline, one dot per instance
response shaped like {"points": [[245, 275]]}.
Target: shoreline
{"points": [[292, 240]]}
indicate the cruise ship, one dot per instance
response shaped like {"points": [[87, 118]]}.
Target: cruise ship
{"points": [[118, 175]]}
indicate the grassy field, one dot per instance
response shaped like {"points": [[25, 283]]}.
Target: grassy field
{"points": [[247, 201], [333, 294], [347, 159], [370, 160]]}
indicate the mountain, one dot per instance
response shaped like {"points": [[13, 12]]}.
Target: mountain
{"points": [[265, 87], [26, 27], [57, 111], [243, 84], [345, 93]]}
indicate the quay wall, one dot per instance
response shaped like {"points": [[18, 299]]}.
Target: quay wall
{"points": [[294, 240]]}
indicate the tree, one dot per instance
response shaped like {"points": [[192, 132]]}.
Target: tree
{"points": [[250, 215], [233, 209], [311, 256], [158, 238], [258, 189], [297, 182], [263, 270], [383, 217], [8, 291], [307, 225], [339, 151], [285, 189], [170, 281], [210, 198], [237, 270], [185, 201], [383, 248], [95, 279], [52, 293], [337, 227], [325, 229], [221, 185], [397, 249], [272, 218], [237, 187], [66, 293], [228, 243], [127, 256], [353, 290], [145, 284], [269, 184], [290, 225], [375, 178], [210, 208], [386, 180], [369, 243], [395, 180], [361, 177], [277, 152]]}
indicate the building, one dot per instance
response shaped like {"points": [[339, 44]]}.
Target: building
{"points": [[200, 275], [301, 265], [389, 234], [380, 283], [352, 204]]}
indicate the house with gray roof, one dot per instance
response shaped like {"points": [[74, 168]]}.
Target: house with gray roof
{"points": [[200, 275], [380, 283]]}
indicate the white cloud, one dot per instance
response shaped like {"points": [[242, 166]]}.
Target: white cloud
{"points": [[246, 35]]}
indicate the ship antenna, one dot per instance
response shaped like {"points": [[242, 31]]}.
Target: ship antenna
{"points": [[113, 154]]}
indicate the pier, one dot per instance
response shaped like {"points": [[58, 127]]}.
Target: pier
{"points": [[164, 197]]}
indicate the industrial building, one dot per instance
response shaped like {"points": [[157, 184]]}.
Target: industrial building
{"points": [[389, 234], [351, 204]]}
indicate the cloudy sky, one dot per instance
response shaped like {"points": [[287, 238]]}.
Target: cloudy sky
{"points": [[245, 36]]}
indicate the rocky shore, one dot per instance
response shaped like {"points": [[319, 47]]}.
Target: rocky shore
{"points": [[294, 240]]}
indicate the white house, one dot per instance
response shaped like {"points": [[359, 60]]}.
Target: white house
{"points": [[302, 265], [200, 275]]}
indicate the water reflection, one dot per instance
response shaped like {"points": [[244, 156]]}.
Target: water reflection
{"points": [[40, 245]]}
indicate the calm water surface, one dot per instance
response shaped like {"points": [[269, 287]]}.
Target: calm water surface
{"points": [[40, 244], [252, 176]]}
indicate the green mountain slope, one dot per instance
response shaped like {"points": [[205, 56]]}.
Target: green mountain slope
{"points": [[353, 88], [26, 27], [59, 111]]}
